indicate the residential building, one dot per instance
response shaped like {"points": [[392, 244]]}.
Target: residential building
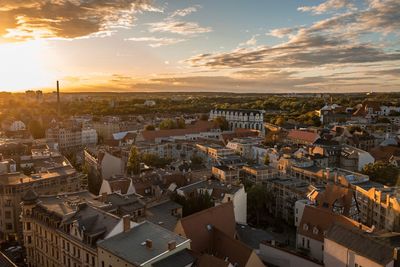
{"points": [[226, 174], [354, 159], [302, 137], [64, 229], [65, 137], [314, 225], [259, 173], [286, 191], [379, 206], [243, 146], [53, 177], [344, 246], [142, 245], [221, 193], [212, 233]]}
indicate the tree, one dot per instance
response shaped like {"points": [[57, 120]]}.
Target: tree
{"points": [[196, 160], [266, 160], [222, 123], [149, 127], [280, 121], [155, 161], [204, 117], [36, 129], [383, 173], [180, 123], [257, 200], [194, 203], [167, 124], [133, 165]]}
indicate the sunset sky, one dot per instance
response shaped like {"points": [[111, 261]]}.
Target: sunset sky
{"points": [[205, 45]]}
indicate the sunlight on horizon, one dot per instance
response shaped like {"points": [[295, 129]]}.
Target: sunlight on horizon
{"points": [[23, 66]]}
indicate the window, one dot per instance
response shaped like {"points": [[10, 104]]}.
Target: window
{"points": [[28, 226], [102, 263], [308, 243], [7, 214]]}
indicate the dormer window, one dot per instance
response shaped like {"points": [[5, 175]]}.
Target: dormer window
{"points": [[305, 227], [315, 231]]}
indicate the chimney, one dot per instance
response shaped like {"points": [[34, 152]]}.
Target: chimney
{"points": [[126, 223], [171, 245], [328, 174], [149, 243], [58, 98]]}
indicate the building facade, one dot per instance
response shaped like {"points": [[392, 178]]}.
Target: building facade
{"points": [[241, 118]]}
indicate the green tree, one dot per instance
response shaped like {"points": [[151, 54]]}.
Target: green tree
{"points": [[155, 161], [168, 124], [266, 160], [149, 127], [194, 203], [258, 200], [383, 173], [36, 129], [222, 123], [133, 165], [196, 160], [180, 123], [204, 117]]}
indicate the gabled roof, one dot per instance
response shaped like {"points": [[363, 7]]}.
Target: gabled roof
{"points": [[198, 226], [316, 221], [305, 136], [377, 248], [129, 245]]}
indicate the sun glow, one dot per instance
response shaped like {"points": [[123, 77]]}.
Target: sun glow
{"points": [[23, 66]]}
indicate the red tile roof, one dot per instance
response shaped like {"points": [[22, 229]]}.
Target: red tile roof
{"points": [[303, 136]]}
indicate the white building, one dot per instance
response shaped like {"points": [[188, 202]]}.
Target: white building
{"points": [[226, 193], [13, 126], [89, 136], [345, 247], [241, 118], [149, 103]]}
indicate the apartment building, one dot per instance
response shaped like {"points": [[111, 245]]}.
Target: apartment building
{"points": [[53, 177], [379, 207], [287, 190], [344, 246], [221, 193], [143, 245], [259, 173], [63, 229]]}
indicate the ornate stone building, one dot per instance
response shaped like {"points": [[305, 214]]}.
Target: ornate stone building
{"points": [[241, 118]]}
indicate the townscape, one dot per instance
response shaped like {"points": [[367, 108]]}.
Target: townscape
{"points": [[201, 133], [206, 181]]}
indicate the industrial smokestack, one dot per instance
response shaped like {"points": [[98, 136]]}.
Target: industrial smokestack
{"points": [[58, 98]]}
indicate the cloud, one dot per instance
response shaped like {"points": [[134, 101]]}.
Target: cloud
{"points": [[156, 41], [172, 24], [24, 20], [251, 42], [327, 6], [282, 32], [178, 27], [184, 12]]}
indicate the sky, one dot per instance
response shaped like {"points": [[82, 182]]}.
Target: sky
{"points": [[264, 46]]}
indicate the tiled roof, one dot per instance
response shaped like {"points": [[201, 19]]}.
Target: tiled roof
{"points": [[195, 225], [305, 136], [129, 245], [377, 248], [316, 221]]}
